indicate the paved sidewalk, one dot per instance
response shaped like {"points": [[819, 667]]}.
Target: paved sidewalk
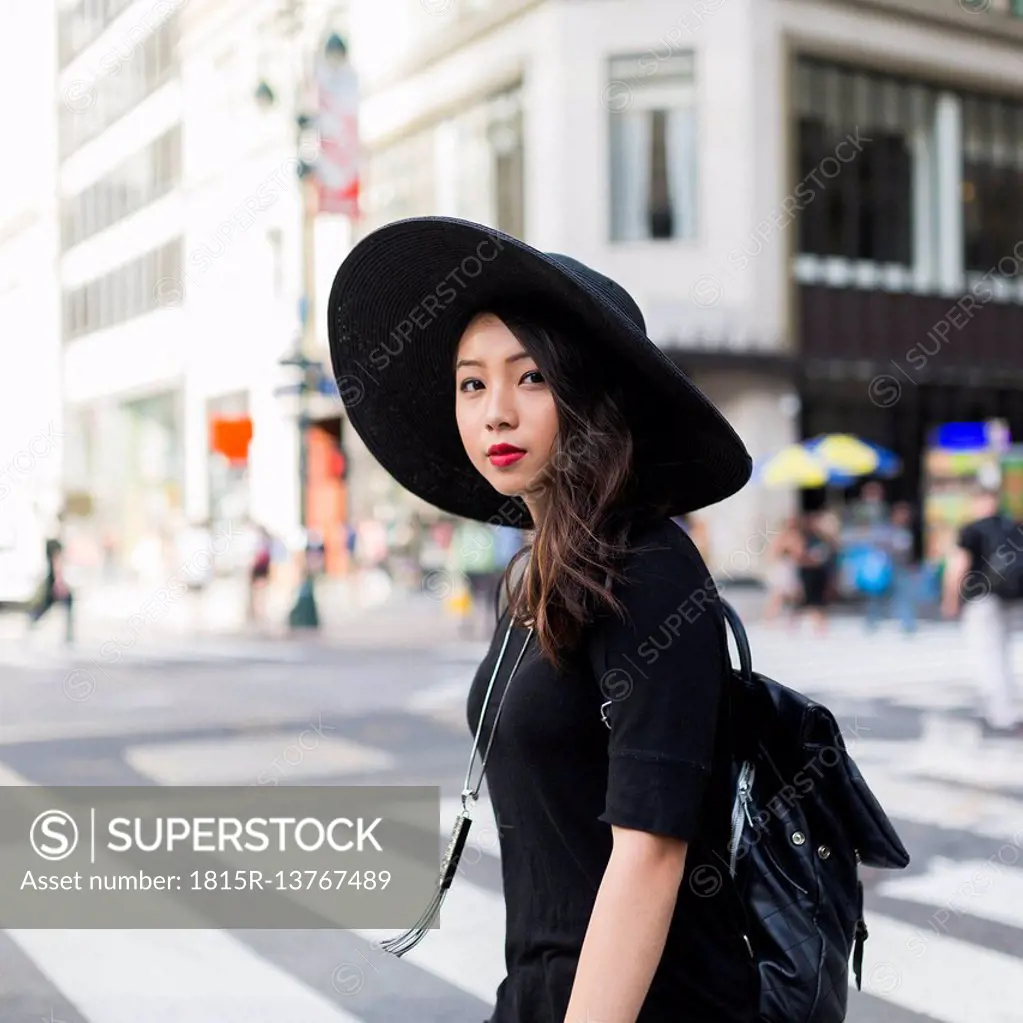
{"points": [[352, 614]]}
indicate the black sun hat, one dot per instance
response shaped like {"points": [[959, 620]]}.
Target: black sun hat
{"points": [[397, 309]]}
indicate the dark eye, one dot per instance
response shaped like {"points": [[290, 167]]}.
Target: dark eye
{"points": [[534, 373], [464, 385]]}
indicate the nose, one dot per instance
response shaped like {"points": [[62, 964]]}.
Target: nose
{"points": [[500, 410]]}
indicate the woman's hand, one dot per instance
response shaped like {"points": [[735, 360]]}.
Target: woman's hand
{"points": [[628, 927]]}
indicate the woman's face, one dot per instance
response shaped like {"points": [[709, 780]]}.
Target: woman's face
{"points": [[505, 409]]}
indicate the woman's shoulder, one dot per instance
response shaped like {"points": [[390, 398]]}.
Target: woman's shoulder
{"points": [[663, 547]]}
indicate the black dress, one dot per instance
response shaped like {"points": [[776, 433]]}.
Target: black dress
{"points": [[558, 778]]}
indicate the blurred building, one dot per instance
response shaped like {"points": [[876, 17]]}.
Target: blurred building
{"points": [[795, 191], [180, 262], [907, 290], [32, 437]]}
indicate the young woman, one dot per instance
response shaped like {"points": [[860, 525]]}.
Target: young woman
{"points": [[507, 385]]}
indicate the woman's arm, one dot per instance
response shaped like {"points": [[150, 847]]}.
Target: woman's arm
{"points": [[628, 927]]}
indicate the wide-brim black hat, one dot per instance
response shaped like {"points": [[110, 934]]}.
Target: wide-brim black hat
{"points": [[398, 307]]}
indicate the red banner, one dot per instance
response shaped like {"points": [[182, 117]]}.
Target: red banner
{"points": [[337, 170]]}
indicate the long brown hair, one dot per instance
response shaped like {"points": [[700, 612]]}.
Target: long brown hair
{"points": [[588, 490]]}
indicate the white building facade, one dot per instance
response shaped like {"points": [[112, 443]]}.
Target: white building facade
{"points": [[635, 136], [658, 142], [31, 428], [181, 255]]}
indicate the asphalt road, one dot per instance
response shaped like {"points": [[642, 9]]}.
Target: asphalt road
{"points": [[946, 938]]}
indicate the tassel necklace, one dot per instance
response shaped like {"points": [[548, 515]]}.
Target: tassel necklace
{"points": [[403, 943]]}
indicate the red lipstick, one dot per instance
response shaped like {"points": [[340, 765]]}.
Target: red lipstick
{"points": [[504, 454]]}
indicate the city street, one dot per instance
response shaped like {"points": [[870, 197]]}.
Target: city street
{"points": [[946, 935]]}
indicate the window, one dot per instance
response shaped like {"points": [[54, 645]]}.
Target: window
{"points": [[992, 183], [124, 293], [931, 194], [142, 70], [469, 165], [141, 179], [653, 147], [865, 145]]}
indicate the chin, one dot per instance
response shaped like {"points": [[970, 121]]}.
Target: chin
{"points": [[506, 486], [509, 484]]}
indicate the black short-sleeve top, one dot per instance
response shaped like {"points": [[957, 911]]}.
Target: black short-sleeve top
{"points": [[629, 734]]}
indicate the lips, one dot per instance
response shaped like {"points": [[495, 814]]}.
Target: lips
{"points": [[504, 454]]}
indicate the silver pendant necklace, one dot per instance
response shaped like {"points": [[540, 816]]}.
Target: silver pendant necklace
{"points": [[403, 943]]}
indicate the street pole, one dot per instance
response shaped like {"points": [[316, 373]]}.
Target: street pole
{"points": [[304, 613], [307, 341]]}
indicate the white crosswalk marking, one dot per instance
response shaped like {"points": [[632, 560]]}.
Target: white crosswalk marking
{"points": [[949, 980], [467, 949], [203, 976], [934, 773], [990, 889], [943, 806]]}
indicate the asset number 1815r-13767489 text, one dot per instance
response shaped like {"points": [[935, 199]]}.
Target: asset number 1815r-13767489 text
{"points": [[289, 880]]}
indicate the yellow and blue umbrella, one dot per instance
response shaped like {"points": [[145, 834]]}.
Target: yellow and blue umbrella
{"points": [[848, 457], [793, 466], [834, 460]]}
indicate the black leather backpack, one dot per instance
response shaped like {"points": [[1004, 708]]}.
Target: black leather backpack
{"points": [[803, 821]]}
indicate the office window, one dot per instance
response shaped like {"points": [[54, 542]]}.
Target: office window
{"points": [[469, 165], [128, 291], [653, 147], [866, 144], [992, 183], [505, 137], [150, 63], [143, 178]]}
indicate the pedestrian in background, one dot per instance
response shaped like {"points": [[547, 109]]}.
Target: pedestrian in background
{"points": [[55, 588], [975, 574], [905, 567], [886, 572], [784, 589], [474, 557], [259, 576], [816, 562]]}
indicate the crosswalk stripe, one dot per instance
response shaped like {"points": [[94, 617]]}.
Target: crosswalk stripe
{"points": [[246, 759], [991, 889], [203, 976], [936, 804], [452, 692], [467, 950], [936, 975], [941, 779]]}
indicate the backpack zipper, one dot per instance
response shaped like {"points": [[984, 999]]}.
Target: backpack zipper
{"points": [[740, 811]]}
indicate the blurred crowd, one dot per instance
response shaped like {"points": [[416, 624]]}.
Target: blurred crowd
{"points": [[864, 552]]}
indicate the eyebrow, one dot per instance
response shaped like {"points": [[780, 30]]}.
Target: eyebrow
{"points": [[476, 362]]}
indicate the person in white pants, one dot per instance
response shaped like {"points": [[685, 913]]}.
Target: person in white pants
{"points": [[986, 618]]}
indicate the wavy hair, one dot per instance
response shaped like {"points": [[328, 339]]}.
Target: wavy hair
{"points": [[588, 491]]}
